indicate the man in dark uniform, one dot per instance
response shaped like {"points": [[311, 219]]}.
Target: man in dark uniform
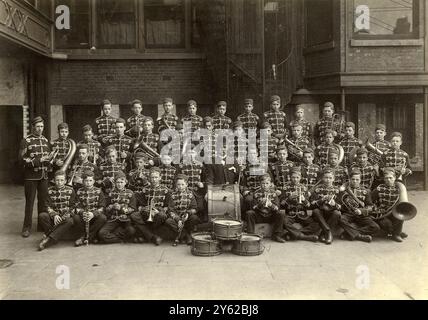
{"points": [[34, 152]]}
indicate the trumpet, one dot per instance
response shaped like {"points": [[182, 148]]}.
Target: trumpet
{"points": [[52, 156], [300, 195], [151, 214]]}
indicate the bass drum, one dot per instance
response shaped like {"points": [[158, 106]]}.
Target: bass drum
{"points": [[204, 244], [224, 202], [248, 245]]}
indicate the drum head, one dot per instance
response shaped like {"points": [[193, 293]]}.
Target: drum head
{"points": [[203, 236], [250, 237], [227, 222]]}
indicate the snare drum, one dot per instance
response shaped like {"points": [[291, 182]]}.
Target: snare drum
{"points": [[227, 229], [204, 244], [248, 245]]}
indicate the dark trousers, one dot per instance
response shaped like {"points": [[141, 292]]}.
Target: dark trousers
{"points": [[391, 225], [147, 229], [276, 218], [356, 225], [189, 225], [31, 187], [116, 231], [328, 220], [308, 226], [54, 231], [94, 225]]}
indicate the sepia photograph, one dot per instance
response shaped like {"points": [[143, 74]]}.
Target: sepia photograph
{"points": [[207, 150]]}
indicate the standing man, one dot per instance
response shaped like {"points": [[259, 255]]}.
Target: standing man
{"points": [[34, 152]]}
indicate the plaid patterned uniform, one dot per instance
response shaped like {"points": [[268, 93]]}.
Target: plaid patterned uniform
{"points": [[121, 143], [262, 196], [340, 174], [105, 126], [196, 121], [168, 175], [272, 144], [321, 153], [383, 146], [180, 202], [170, 120], [291, 194], [108, 170], [35, 147], [61, 201], [362, 194], [90, 200], [63, 146], [94, 148], [138, 179], [221, 122], [302, 142], [249, 120], [251, 175], [397, 159], [125, 198], [278, 120], [240, 146], [348, 145], [193, 172], [307, 129], [281, 173], [310, 174], [158, 194], [384, 197], [133, 121], [78, 168], [367, 174], [322, 194], [321, 126]]}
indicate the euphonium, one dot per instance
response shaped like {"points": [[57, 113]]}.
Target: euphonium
{"points": [[371, 147], [403, 209], [349, 199], [69, 157], [341, 152]]}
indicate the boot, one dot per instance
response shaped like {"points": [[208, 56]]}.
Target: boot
{"points": [[47, 242], [364, 238], [312, 237], [328, 237]]}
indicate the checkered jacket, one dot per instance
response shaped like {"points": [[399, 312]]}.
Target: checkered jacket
{"points": [[63, 147], [260, 198], [151, 139], [61, 201], [133, 121], [94, 149], [31, 150], [384, 197], [278, 121], [310, 174], [383, 146], [90, 200], [78, 168], [196, 121], [193, 173], [221, 122], [240, 147], [367, 174], [138, 179], [302, 142], [125, 198], [348, 145], [104, 126], [170, 120], [158, 194], [290, 195], [397, 159], [272, 144], [179, 203], [168, 174], [340, 174], [320, 127], [322, 194], [307, 127], [249, 120], [321, 153], [108, 170], [251, 177], [362, 194], [281, 173], [121, 143]]}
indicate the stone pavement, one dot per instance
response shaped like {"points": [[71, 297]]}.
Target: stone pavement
{"points": [[296, 270]]}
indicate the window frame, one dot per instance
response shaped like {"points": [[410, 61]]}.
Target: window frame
{"points": [[324, 45]]}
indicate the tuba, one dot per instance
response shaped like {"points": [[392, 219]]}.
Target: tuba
{"points": [[341, 152], [69, 157], [149, 151]]}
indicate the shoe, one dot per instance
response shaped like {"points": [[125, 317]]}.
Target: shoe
{"points": [[364, 238], [278, 239], [79, 242], [329, 238], [397, 238], [175, 243], [188, 239], [312, 237], [403, 235], [287, 237], [141, 240], [45, 243], [157, 240], [94, 241], [25, 233]]}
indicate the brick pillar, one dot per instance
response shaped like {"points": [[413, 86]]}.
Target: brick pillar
{"points": [[56, 116]]}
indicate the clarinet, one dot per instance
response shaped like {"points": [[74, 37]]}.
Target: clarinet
{"points": [[87, 224]]}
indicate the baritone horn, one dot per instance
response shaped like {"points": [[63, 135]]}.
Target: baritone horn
{"points": [[371, 147], [403, 210]]}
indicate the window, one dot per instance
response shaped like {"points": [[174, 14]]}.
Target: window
{"points": [[319, 22], [164, 23], [397, 19], [115, 24], [75, 37]]}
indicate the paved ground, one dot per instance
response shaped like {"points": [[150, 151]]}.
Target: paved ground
{"points": [[284, 271]]}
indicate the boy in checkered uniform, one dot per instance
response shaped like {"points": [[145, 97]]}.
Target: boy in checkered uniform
{"points": [[368, 171], [248, 119], [340, 172], [307, 127], [120, 204], [302, 142], [310, 171], [349, 143], [89, 209], [168, 120], [325, 148], [105, 124], [58, 218], [138, 178], [220, 120], [265, 208], [240, 143], [281, 169], [356, 220], [151, 202], [121, 142], [384, 197], [182, 208], [379, 143], [326, 209], [79, 166], [62, 144], [276, 118], [135, 122], [94, 147], [195, 120], [108, 169], [168, 171], [270, 140], [149, 138], [397, 158], [325, 123]]}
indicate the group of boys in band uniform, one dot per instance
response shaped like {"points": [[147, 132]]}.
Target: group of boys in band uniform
{"points": [[119, 189]]}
